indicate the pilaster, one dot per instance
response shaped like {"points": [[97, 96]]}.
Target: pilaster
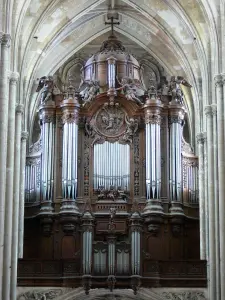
{"points": [[201, 140], [16, 199], [220, 211], [24, 137]]}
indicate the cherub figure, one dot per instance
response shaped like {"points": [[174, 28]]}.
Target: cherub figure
{"points": [[132, 127], [46, 84], [175, 89], [112, 211], [132, 89], [88, 89]]}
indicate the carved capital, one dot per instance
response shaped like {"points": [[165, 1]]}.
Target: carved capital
{"points": [[24, 135], [208, 111], [13, 78], [201, 138], [214, 109], [5, 40], [48, 118], [218, 80], [152, 118], [176, 119], [70, 117], [19, 109]]}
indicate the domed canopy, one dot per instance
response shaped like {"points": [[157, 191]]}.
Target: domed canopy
{"points": [[112, 52]]}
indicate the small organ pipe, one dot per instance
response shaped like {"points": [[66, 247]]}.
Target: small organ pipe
{"points": [[87, 225], [135, 243]]}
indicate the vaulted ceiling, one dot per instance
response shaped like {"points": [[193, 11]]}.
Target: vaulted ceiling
{"points": [[178, 34]]}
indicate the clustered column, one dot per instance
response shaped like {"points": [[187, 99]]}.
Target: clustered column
{"points": [[220, 95], [211, 203], [152, 111], [11, 172], [201, 139], [24, 137], [16, 200], [47, 118], [4, 69]]}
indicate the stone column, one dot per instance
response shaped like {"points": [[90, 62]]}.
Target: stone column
{"points": [[201, 138], [4, 68], [220, 94], [216, 197], [9, 186], [24, 136], [211, 204], [16, 200]]}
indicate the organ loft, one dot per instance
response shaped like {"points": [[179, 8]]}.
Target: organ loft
{"points": [[111, 180]]}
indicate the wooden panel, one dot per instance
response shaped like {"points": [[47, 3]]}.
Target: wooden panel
{"points": [[68, 247]]}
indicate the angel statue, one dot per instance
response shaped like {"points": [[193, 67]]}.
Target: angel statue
{"points": [[132, 89], [132, 127], [48, 88], [88, 89], [175, 89]]}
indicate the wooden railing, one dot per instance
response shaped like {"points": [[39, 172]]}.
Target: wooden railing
{"points": [[154, 273]]}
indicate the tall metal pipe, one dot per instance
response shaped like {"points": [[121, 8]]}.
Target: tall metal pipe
{"points": [[70, 119], [153, 109], [176, 121], [47, 120]]}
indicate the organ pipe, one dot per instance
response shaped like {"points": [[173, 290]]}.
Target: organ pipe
{"points": [[70, 110], [112, 166], [190, 180], [47, 117], [111, 255], [135, 243], [111, 72], [153, 109], [87, 239], [153, 148], [175, 136]]}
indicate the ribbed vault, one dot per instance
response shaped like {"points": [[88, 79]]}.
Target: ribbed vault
{"points": [[178, 34]]}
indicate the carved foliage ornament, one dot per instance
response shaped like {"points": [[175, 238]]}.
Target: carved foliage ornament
{"points": [[41, 295], [152, 118], [184, 296]]}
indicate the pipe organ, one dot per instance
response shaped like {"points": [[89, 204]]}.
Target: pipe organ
{"points": [[111, 176]]}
